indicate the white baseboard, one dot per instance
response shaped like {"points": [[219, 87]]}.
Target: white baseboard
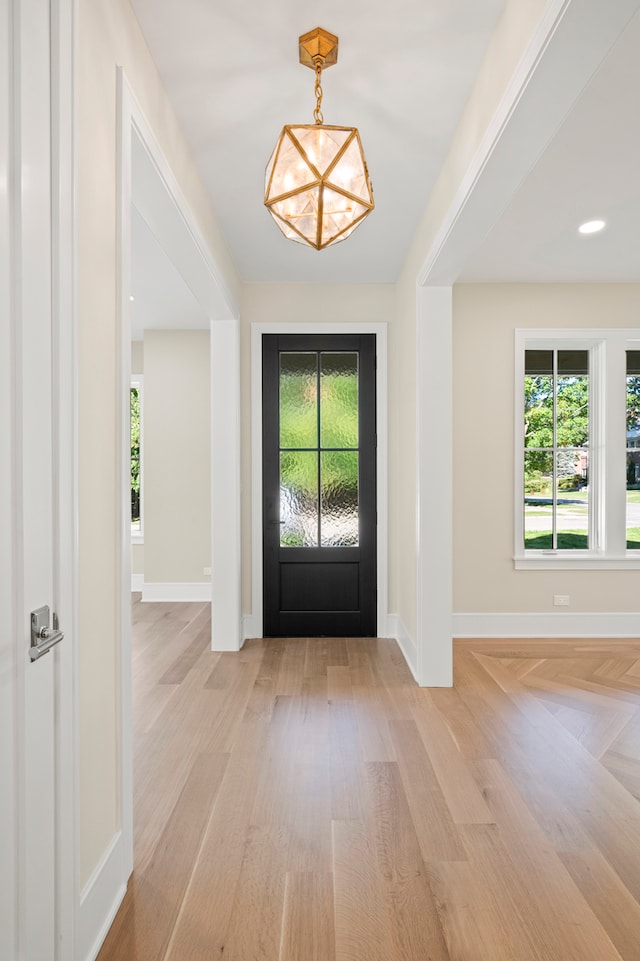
{"points": [[100, 900], [176, 592], [137, 582], [397, 629], [250, 627], [552, 624]]}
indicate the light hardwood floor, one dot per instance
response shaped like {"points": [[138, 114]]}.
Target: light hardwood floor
{"points": [[304, 800]]}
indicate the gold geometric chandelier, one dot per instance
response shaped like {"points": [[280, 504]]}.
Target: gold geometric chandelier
{"points": [[317, 186]]}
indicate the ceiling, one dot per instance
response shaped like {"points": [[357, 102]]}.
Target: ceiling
{"points": [[590, 170], [404, 73]]}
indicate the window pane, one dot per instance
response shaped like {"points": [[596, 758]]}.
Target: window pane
{"points": [[572, 500], [339, 524], [299, 499], [556, 438], [633, 451], [573, 412], [298, 400], [538, 500], [339, 399], [633, 499], [538, 410], [135, 459]]}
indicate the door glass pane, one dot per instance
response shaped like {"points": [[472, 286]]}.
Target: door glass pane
{"points": [[299, 499], [339, 399], [339, 521], [633, 450], [538, 500], [298, 400], [572, 499]]}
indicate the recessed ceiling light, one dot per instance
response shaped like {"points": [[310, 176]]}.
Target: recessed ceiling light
{"points": [[591, 227]]}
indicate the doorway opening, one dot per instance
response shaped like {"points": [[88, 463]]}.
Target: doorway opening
{"points": [[151, 201]]}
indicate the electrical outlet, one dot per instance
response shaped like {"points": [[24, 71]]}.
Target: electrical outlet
{"points": [[206, 570], [561, 600]]}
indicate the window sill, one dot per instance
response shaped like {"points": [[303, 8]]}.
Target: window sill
{"points": [[576, 561]]}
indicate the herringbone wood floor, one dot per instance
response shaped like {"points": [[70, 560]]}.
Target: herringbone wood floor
{"points": [[303, 800]]}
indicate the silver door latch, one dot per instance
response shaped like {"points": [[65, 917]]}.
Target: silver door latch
{"points": [[43, 637]]}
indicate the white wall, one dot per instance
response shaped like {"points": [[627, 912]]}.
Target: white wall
{"points": [[109, 35], [402, 458], [508, 44], [484, 320], [177, 446]]}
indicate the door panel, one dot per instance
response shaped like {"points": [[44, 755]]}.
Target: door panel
{"points": [[27, 801], [319, 485]]}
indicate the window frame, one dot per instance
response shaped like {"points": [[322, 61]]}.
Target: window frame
{"points": [[607, 450], [137, 380]]}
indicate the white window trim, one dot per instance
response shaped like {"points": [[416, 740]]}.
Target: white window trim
{"points": [[607, 523], [137, 380]]}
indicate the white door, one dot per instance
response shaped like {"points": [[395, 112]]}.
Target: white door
{"points": [[33, 885]]}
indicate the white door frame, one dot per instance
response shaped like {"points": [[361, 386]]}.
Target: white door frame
{"points": [[59, 17], [184, 244], [253, 624]]}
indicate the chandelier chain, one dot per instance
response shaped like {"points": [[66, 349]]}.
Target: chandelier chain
{"points": [[317, 113]]}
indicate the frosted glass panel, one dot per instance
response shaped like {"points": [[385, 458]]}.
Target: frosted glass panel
{"points": [[299, 499], [298, 400], [339, 521], [339, 399]]}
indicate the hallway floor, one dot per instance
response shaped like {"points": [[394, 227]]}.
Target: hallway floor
{"points": [[304, 800]]}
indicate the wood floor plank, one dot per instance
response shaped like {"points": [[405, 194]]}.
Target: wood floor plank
{"points": [[255, 926], [361, 928], [473, 917], [571, 929], [346, 769], [464, 799], [308, 927], [291, 667], [471, 739], [188, 657], [338, 681], [430, 814], [203, 923], [413, 920], [611, 902], [144, 928], [309, 818], [373, 725]]}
